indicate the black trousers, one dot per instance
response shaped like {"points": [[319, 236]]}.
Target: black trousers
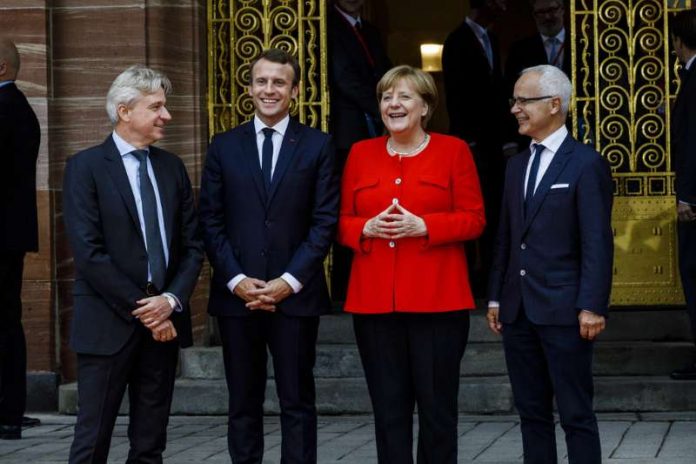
{"points": [[13, 349], [544, 361], [413, 359], [292, 343], [686, 233], [148, 368]]}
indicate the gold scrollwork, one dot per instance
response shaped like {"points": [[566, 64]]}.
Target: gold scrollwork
{"points": [[238, 30], [625, 78]]}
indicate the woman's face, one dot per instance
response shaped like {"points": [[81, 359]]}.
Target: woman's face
{"points": [[402, 108]]}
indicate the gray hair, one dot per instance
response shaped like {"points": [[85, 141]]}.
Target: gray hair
{"points": [[132, 84], [553, 81]]}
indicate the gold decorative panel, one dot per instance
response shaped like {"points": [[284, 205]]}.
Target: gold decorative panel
{"points": [[238, 30], [625, 80]]}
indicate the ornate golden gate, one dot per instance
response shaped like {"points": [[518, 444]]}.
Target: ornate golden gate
{"points": [[625, 80]]}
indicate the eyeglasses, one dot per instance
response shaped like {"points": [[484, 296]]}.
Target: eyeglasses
{"points": [[522, 101], [547, 11]]}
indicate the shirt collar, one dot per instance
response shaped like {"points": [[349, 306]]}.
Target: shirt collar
{"points": [[122, 146], [353, 21], [560, 36], [479, 30], [689, 63], [554, 141], [281, 127], [4, 83]]}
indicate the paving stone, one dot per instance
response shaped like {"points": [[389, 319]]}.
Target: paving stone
{"points": [[642, 440]]}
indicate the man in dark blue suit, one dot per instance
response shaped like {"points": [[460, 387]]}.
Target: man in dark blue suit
{"points": [[551, 278], [19, 148], [268, 209], [683, 151], [130, 220]]}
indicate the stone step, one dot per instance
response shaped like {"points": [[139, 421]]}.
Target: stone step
{"points": [[623, 324], [480, 359], [479, 395]]}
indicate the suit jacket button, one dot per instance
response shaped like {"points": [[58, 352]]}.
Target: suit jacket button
{"points": [[268, 223], [523, 246], [392, 244], [523, 272], [398, 181]]}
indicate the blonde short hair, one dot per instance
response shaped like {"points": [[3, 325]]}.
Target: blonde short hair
{"points": [[422, 83]]}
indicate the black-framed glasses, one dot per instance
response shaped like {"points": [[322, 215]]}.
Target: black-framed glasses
{"points": [[521, 101]]}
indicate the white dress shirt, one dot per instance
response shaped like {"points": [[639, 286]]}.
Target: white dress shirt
{"points": [[277, 139], [560, 47], [551, 145], [484, 39], [351, 20]]}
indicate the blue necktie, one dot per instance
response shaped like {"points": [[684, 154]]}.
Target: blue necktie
{"points": [[531, 182], [488, 48], [153, 237], [267, 157]]}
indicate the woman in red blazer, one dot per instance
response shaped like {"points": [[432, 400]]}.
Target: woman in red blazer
{"points": [[409, 202]]}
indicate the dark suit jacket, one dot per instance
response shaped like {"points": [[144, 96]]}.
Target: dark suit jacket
{"points": [[20, 136], [474, 92], [558, 260], [352, 79], [104, 232], [289, 230], [683, 146]]}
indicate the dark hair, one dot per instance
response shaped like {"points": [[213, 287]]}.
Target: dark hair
{"points": [[276, 55], [683, 26]]}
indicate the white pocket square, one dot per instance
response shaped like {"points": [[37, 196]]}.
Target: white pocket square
{"points": [[560, 186]]}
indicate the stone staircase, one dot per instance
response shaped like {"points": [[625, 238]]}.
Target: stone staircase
{"points": [[632, 363]]}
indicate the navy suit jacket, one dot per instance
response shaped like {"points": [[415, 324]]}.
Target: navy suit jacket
{"points": [[19, 148], [262, 235], [684, 138], [104, 233], [557, 260]]}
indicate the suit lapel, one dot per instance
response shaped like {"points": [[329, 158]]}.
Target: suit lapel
{"points": [[557, 164], [250, 154], [118, 174], [287, 150], [166, 192]]}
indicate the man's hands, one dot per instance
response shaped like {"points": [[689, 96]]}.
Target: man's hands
{"points": [[395, 222], [493, 321], [684, 212], [591, 324], [260, 295], [154, 313]]}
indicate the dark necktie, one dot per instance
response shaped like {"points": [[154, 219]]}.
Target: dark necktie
{"points": [[267, 157], [153, 237], [531, 182]]}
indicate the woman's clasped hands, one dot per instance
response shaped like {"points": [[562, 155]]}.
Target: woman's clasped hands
{"points": [[395, 222]]}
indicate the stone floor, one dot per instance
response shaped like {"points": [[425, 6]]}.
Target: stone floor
{"points": [[665, 438]]}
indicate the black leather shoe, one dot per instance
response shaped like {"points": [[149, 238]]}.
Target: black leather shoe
{"points": [[30, 422], [687, 373], [10, 432]]}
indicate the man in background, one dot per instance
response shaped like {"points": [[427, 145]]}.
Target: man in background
{"points": [[357, 61], [683, 151], [19, 149], [476, 103], [547, 46]]}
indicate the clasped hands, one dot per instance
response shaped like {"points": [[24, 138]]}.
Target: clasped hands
{"points": [[395, 222], [154, 312], [261, 295]]}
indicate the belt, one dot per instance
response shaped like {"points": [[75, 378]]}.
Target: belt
{"points": [[151, 289]]}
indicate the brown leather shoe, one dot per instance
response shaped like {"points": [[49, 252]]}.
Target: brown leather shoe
{"points": [[686, 373], [10, 432]]}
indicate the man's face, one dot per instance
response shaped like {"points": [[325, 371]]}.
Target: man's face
{"points": [[271, 90], [535, 118], [496, 8], [145, 119], [548, 15], [352, 7], [679, 49]]}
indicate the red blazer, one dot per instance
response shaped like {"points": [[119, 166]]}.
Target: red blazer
{"points": [[423, 274]]}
